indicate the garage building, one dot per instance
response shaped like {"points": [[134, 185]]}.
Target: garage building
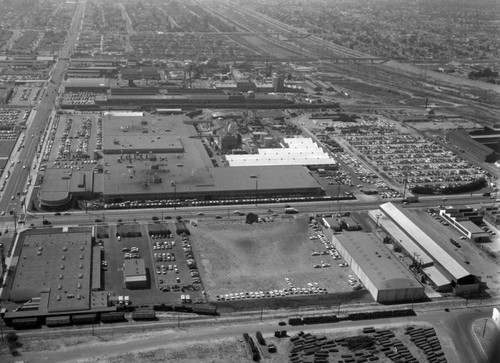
{"points": [[134, 274]]}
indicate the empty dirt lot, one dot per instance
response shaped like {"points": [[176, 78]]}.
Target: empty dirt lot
{"points": [[236, 257]]}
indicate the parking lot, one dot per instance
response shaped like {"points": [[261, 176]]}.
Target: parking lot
{"points": [[27, 96], [79, 98], [145, 246], [405, 157]]}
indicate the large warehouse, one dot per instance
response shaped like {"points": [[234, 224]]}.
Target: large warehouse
{"points": [[461, 280], [58, 272], [149, 156], [383, 275]]}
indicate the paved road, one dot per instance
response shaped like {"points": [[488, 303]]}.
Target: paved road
{"points": [[17, 181], [226, 212]]}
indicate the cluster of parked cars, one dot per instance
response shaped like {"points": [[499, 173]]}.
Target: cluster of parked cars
{"points": [[312, 288], [162, 270], [354, 282], [188, 253], [132, 252], [80, 98], [330, 249]]}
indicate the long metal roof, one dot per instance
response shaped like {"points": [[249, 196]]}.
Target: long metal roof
{"points": [[398, 235], [425, 242]]}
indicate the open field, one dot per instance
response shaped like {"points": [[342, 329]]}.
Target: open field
{"points": [[220, 347], [237, 257]]}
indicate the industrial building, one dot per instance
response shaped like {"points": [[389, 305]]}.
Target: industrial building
{"points": [[56, 274], [383, 275], [23, 62], [134, 274], [446, 267], [98, 85], [465, 220], [147, 156], [491, 213], [296, 151], [5, 92], [476, 146]]}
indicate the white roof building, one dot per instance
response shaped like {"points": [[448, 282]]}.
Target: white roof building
{"points": [[296, 151]]}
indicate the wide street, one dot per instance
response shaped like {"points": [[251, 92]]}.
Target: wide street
{"points": [[226, 211], [20, 172]]}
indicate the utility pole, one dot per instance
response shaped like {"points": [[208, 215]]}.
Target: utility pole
{"points": [[484, 329], [174, 184], [338, 198]]}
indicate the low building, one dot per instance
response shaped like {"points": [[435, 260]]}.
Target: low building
{"points": [[464, 219], [5, 92], [134, 274], [491, 214], [97, 85], [331, 223], [383, 275]]}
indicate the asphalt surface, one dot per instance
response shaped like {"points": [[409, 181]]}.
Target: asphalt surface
{"points": [[226, 212]]}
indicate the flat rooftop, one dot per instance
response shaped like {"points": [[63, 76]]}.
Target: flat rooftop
{"points": [[86, 82], [207, 180], [57, 261], [384, 270], [298, 151]]}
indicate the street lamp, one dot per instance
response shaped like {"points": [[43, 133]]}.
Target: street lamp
{"points": [[174, 184]]}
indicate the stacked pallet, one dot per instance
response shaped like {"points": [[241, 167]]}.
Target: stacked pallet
{"points": [[426, 339], [307, 347]]}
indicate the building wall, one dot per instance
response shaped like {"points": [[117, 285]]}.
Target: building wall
{"points": [[463, 141], [496, 317], [133, 285], [381, 296]]}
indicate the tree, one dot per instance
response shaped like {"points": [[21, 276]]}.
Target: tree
{"points": [[11, 337], [252, 218]]}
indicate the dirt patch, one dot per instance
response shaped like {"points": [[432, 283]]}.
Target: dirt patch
{"points": [[237, 257], [228, 350]]}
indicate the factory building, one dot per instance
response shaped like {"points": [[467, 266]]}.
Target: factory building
{"points": [[383, 275], [461, 280], [98, 85], [296, 151], [58, 272], [473, 145]]}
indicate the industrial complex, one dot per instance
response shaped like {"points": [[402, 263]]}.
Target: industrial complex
{"points": [[207, 159]]}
